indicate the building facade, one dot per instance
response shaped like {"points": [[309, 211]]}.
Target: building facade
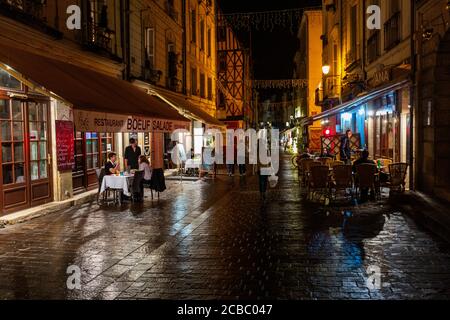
{"points": [[54, 79], [236, 105], [432, 122], [308, 65], [367, 84]]}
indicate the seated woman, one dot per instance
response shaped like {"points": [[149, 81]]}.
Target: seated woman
{"points": [[111, 167], [144, 165]]}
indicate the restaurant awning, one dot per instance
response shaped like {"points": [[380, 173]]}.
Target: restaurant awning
{"points": [[86, 89], [347, 106], [186, 107]]}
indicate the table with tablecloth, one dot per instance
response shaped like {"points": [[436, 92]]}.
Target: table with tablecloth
{"points": [[117, 183]]}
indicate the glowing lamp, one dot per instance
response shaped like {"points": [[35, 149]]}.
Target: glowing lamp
{"points": [[326, 69]]}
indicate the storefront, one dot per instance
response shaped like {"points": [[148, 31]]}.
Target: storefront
{"points": [[59, 121], [25, 170], [381, 120]]}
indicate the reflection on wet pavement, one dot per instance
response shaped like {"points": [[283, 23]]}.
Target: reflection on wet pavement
{"points": [[215, 239]]}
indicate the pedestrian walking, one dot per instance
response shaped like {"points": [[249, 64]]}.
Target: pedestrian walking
{"points": [[346, 150]]}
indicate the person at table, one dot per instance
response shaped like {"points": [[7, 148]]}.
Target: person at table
{"points": [[346, 150], [111, 167], [364, 159], [144, 165], [132, 154]]}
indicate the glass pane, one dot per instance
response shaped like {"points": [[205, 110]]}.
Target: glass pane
{"points": [[20, 172], [34, 170], [18, 131], [88, 146], [88, 135], [78, 135], [8, 174], [4, 109], [34, 132], [17, 110], [43, 150], [94, 135], [6, 130], [94, 146], [89, 162], [43, 131], [95, 161], [42, 112], [6, 152], [34, 151], [18, 152], [79, 164], [43, 167], [79, 147], [32, 112], [104, 145], [8, 81]]}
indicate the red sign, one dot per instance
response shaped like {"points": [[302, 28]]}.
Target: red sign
{"points": [[64, 145]]}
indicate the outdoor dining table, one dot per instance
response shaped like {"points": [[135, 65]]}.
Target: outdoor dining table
{"points": [[115, 182]]}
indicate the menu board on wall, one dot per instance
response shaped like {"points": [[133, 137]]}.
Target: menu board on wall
{"points": [[65, 145]]}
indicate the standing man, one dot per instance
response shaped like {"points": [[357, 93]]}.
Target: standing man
{"points": [[132, 154], [346, 150]]}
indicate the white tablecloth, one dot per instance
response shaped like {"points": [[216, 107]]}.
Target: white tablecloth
{"points": [[193, 164], [115, 182]]}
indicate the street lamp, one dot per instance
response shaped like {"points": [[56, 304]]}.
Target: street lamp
{"points": [[326, 69]]}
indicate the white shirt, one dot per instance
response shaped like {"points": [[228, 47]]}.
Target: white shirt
{"points": [[147, 170]]}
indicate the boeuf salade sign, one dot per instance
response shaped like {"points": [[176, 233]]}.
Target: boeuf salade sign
{"points": [[86, 121]]}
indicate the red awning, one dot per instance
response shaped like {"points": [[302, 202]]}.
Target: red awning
{"points": [[86, 89]]}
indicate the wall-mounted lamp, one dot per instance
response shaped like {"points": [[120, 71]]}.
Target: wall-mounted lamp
{"points": [[326, 69], [448, 5], [428, 33]]}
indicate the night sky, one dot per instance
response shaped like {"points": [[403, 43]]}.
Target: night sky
{"points": [[273, 52]]}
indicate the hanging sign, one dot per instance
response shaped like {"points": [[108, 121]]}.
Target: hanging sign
{"points": [[65, 145], [87, 121]]}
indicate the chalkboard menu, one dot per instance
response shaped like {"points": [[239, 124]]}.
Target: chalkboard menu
{"points": [[65, 145]]}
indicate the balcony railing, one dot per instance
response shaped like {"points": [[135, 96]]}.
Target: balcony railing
{"points": [[392, 31], [32, 8], [373, 47], [98, 37]]}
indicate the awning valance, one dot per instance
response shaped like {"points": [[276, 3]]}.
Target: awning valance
{"points": [[186, 107], [86, 89], [347, 106]]}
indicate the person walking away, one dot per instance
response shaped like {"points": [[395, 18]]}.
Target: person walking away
{"points": [[346, 150], [131, 156]]}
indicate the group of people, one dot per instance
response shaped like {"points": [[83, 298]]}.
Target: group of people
{"points": [[133, 160]]}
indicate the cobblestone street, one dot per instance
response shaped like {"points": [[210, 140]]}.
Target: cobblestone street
{"points": [[215, 239]]}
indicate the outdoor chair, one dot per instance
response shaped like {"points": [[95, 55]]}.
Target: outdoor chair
{"points": [[397, 176], [303, 170], [365, 178], [319, 181], [336, 163], [136, 190], [342, 179], [326, 161], [100, 175]]}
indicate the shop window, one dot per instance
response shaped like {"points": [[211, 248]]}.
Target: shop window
{"points": [[37, 121], [12, 142]]}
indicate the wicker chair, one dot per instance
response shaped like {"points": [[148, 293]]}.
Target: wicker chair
{"points": [[342, 179], [366, 178], [319, 181], [397, 179], [303, 170], [337, 163], [326, 161]]}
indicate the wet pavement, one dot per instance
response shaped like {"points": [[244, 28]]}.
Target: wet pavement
{"points": [[216, 239]]}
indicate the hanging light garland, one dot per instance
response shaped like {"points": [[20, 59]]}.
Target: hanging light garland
{"points": [[280, 84], [265, 20]]}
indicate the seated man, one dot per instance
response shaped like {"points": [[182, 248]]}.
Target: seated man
{"points": [[111, 167], [364, 160]]}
